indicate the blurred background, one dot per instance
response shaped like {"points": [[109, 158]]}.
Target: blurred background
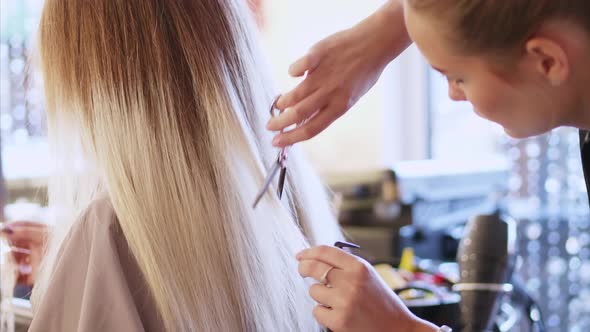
{"points": [[440, 163]]}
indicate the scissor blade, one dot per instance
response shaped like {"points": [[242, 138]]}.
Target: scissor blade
{"points": [[269, 178], [282, 177]]}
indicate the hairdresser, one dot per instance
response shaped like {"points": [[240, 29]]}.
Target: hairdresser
{"points": [[521, 64]]}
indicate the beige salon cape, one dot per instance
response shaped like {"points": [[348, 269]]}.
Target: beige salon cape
{"points": [[96, 285]]}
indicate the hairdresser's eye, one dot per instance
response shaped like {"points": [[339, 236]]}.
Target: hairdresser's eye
{"points": [[452, 80]]}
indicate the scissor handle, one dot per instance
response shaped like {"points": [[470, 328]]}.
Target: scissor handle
{"points": [[273, 107], [282, 158], [280, 164]]}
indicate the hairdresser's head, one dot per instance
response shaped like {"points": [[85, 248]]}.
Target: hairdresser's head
{"points": [[522, 63]]}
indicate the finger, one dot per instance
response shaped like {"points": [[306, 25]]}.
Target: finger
{"points": [[20, 223], [309, 62], [20, 250], [316, 270], [312, 128], [329, 255], [32, 234], [324, 295], [300, 92], [6, 230], [323, 315], [300, 112]]}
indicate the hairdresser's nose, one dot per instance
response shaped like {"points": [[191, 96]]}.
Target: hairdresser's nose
{"points": [[455, 92]]}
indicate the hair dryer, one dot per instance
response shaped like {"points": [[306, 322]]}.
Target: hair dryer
{"points": [[486, 257]]}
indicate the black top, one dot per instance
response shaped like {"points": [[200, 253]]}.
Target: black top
{"points": [[585, 151]]}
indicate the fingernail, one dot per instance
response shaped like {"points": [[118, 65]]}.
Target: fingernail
{"points": [[268, 125], [298, 257], [7, 230], [276, 141]]}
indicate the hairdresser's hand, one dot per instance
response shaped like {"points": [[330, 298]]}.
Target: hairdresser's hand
{"points": [[340, 70], [357, 299], [28, 240]]}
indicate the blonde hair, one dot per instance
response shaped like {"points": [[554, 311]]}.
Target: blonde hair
{"points": [[166, 101]]}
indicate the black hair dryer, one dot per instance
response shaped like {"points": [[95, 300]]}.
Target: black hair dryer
{"points": [[486, 257]]}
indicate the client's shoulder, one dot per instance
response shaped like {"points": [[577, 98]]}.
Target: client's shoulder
{"points": [[100, 210], [98, 219], [95, 283]]}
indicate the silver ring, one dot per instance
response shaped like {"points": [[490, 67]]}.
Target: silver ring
{"points": [[324, 278]]}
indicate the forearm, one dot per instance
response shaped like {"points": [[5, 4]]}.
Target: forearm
{"points": [[387, 29]]}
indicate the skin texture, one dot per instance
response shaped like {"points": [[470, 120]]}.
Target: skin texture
{"points": [[357, 299], [529, 94], [29, 240], [340, 70], [541, 86]]}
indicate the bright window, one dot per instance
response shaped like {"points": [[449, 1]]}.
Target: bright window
{"points": [[456, 131]]}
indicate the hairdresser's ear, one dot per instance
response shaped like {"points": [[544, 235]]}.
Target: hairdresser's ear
{"points": [[549, 59]]}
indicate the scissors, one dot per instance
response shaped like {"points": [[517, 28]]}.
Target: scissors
{"points": [[279, 165]]}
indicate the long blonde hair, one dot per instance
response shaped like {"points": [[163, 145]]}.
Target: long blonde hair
{"points": [[166, 101]]}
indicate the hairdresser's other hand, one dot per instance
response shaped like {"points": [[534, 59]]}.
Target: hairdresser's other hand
{"points": [[28, 240], [357, 299], [340, 70]]}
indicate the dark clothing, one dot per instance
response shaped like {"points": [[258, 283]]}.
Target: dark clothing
{"points": [[585, 151]]}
